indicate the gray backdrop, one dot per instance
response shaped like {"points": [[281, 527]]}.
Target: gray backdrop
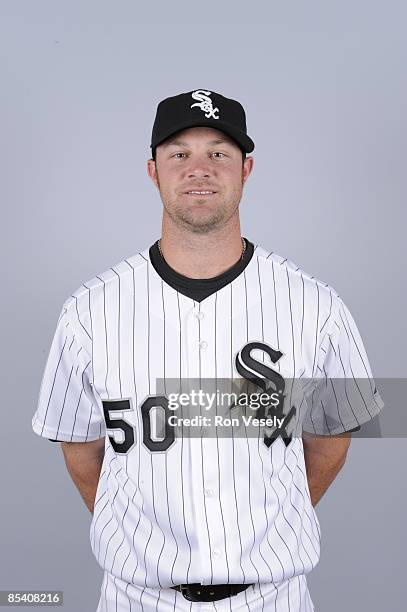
{"points": [[324, 87]]}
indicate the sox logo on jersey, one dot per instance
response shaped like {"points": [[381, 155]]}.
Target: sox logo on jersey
{"points": [[259, 373], [208, 509]]}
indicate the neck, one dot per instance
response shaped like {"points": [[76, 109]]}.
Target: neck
{"points": [[201, 255]]}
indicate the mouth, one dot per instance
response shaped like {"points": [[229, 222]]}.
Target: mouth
{"points": [[200, 194]]}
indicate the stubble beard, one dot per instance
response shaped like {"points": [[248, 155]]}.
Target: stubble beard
{"points": [[184, 217]]}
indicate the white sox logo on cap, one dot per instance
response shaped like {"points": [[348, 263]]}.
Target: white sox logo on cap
{"points": [[179, 112], [205, 103]]}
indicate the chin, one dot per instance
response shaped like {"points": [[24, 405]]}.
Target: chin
{"points": [[201, 225]]}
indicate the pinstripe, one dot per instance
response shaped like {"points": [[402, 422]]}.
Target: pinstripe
{"points": [[156, 520], [248, 449], [348, 329], [217, 441], [355, 381], [65, 394], [95, 520], [105, 329], [78, 315], [292, 325], [233, 438], [53, 384], [202, 452], [119, 525], [268, 525], [316, 329], [275, 306], [167, 467], [350, 364], [182, 448], [122, 530], [290, 523], [106, 525], [91, 325], [118, 331], [303, 309]]}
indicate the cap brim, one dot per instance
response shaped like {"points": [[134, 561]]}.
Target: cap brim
{"points": [[244, 141]]}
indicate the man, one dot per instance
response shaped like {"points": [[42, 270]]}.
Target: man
{"points": [[204, 518]]}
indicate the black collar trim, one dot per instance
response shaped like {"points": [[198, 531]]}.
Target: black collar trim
{"points": [[198, 288]]}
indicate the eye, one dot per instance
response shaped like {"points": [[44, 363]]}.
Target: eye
{"points": [[178, 154], [218, 153]]}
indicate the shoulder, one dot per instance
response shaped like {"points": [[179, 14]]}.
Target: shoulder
{"points": [[289, 275], [100, 290]]}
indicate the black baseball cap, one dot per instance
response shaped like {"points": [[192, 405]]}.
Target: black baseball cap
{"points": [[201, 108]]}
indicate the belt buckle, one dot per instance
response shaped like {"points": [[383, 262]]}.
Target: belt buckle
{"points": [[204, 592], [198, 592], [209, 592]]}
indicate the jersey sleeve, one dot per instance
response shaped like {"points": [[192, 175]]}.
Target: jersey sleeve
{"points": [[343, 395], [68, 408]]}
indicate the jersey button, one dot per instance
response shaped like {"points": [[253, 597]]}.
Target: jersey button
{"points": [[199, 315], [203, 344], [209, 492], [216, 554]]}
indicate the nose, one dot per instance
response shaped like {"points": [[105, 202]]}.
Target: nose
{"points": [[198, 168], [198, 172]]}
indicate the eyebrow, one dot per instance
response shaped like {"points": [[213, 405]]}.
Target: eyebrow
{"points": [[179, 143]]}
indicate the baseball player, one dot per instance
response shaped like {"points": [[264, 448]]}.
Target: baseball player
{"points": [[217, 517]]}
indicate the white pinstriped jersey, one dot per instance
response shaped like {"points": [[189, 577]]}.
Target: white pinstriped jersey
{"points": [[206, 509]]}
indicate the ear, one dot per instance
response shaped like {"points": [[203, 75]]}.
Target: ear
{"points": [[152, 171], [247, 167]]}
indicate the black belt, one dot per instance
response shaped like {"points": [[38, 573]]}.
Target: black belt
{"points": [[209, 592]]}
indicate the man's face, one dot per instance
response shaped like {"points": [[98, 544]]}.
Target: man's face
{"points": [[200, 159]]}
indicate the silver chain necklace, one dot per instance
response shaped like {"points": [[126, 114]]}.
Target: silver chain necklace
{"points": [[241, 257]]}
